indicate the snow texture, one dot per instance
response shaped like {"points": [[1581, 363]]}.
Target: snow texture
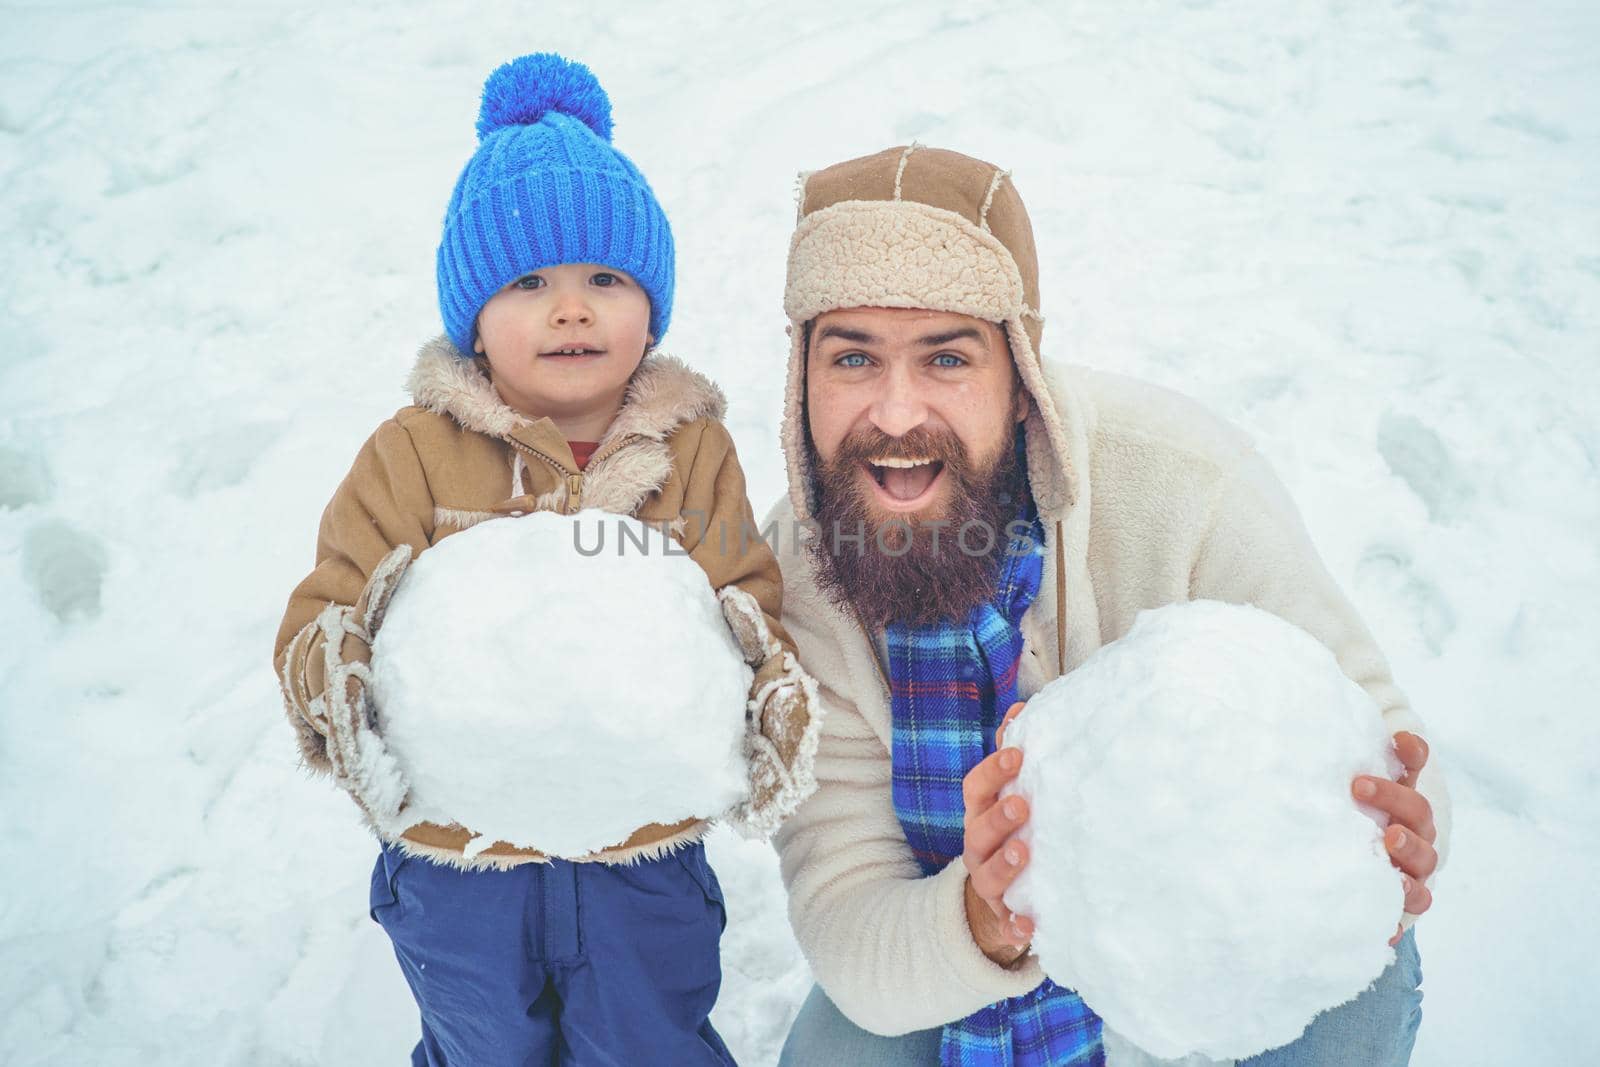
{"points": [[557, 700], [1200, 873], [1332, 223]]}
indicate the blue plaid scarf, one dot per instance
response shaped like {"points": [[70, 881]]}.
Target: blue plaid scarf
{"points": [[949, 685]]}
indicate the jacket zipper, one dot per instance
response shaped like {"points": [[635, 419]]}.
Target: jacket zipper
{"points": [[572, 479], [616, 446]]}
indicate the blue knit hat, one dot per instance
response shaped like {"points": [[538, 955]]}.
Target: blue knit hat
{"points": [[546, 187]]}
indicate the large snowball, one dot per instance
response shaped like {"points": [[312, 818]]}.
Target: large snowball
{"points": [[559, 701], [1200, 873]]}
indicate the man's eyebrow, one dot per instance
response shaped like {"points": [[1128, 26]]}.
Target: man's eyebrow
{"points": [[933, 340], [844, 333]]}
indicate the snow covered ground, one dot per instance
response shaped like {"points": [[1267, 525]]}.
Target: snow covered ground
{"points": [[1369, 233]]}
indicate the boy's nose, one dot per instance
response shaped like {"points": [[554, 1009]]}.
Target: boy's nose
{"points": [[571, 312]]}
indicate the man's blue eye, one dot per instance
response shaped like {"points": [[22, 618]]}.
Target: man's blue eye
{"points": [[531, 281], [852, 359], [945, 359]]}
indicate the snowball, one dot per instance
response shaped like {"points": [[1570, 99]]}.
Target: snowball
{"points": [[1200, 873], [556, 700]]}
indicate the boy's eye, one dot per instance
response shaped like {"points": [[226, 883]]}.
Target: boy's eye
{"points": [[530, 281], [948, 359], [852, 359], [605, 278]]}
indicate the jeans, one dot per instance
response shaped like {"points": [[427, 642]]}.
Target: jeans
{"points": [[1377, 1029]]}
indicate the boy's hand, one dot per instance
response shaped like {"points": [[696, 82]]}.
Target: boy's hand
{"points": [[355, 630], [361, 762], [747, 625], [384, 580], [1411, 833], [777, 727]]}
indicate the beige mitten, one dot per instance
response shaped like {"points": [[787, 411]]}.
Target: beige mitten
{"points": [[344, 713], [782, 716]]}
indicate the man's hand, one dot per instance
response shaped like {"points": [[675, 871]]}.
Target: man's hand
{"points": [[992, 854], [1411, 834]]}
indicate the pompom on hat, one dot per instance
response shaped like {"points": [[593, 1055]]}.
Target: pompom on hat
{"points": [[546, 187]]}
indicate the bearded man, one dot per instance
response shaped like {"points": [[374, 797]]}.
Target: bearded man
{"points": [[981, 524]]}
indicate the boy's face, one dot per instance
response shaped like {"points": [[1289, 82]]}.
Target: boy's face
{"points": [[563, 341]]}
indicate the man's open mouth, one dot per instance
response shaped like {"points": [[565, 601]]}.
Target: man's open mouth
{"points": [[904, 480]]}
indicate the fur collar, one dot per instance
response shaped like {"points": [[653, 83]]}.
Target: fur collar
{"points": [[662, 395]]}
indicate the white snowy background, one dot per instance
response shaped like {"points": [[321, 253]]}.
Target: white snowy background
{"points": [[1367, 232]]}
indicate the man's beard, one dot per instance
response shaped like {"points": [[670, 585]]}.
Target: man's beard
{"points": [[952, 560]]}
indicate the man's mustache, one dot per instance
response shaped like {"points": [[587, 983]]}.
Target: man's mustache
{"points": [[867, 443]]}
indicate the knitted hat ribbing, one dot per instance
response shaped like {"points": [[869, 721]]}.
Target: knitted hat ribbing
{"points": [[546, 187]]}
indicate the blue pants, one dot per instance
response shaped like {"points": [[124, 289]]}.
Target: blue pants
{"points": [[558, 963], [1377, 1029]]}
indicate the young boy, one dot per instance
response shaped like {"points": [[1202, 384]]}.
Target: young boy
{"points": [[555, 277]]}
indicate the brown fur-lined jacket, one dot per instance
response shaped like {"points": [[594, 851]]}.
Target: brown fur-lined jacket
{"points": [[459, 456]]}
